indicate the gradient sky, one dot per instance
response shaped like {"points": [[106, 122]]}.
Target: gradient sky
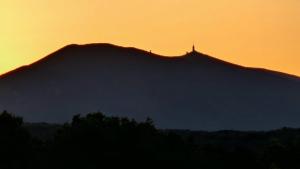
{"points": [[256, 33]]}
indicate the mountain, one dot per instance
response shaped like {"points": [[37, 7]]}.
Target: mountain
{"points": [[194, 91]]}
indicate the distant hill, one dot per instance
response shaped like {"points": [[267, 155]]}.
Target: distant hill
{"points": [[194, 91]]}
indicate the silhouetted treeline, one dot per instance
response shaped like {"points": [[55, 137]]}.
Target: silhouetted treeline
{"points": [[97, 141]]}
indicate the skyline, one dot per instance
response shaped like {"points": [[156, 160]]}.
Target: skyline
{"points": [[245, 32]]}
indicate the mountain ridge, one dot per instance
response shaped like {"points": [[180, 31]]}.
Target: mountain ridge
{"points": [[190, 55], [193, 91]]}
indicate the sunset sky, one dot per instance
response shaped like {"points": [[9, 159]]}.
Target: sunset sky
{"points": [[256, 33]]}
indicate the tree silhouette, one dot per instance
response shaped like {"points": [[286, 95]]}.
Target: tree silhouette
{"points": [[15, 143], [97, 141]]}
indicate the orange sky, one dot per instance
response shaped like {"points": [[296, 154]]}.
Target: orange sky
{"points": [[257, 33]]}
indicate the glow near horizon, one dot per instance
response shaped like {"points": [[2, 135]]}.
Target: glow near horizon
{"points": [[252, 33]]}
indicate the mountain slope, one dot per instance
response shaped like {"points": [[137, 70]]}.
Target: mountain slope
{"points": [[194, 91]]}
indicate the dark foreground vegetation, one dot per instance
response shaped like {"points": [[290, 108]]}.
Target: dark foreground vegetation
{"points": [[96, 141]]}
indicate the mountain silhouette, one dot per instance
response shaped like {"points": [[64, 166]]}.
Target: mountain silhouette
{"points": [[194, 91]]}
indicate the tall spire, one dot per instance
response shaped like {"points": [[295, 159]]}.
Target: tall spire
{"points": [[194, 48]]}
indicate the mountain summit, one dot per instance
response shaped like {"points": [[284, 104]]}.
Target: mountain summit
{"points": [[194, 91]]}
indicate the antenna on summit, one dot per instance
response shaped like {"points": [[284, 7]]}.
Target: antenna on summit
{"points": [[193, 48]]}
